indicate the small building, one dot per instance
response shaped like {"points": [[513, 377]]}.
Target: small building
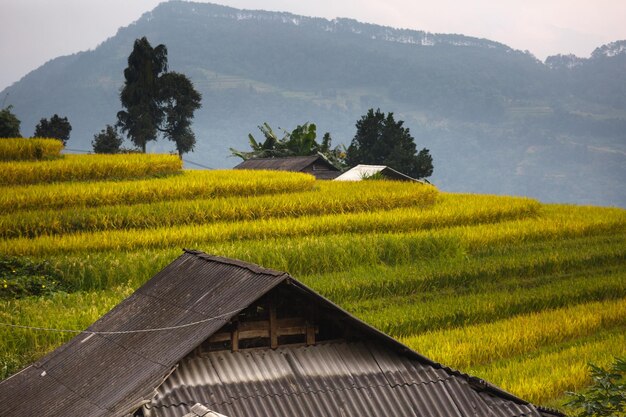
{"points": [[210, 336], [315, 165], [361, 172]]}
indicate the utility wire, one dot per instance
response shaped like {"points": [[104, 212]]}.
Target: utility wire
{"points": [[156, 329], [76, 150], [185, 160], [195, 163]]}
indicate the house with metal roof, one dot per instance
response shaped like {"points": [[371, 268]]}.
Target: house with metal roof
{"points": [[210, 336], [315, 165], [361, 172]]}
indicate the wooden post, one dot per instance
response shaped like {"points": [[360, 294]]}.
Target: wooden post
{"points": [[234, 338], [310, 335], [273, 326]]}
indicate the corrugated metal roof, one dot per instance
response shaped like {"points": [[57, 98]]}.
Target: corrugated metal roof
{"points": [[335, 378], [360, 172], [98, 375], [198, 410], [114, 374], [291, 163]]}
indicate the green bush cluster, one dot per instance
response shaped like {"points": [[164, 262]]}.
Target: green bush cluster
{"points": [[21, 277]]}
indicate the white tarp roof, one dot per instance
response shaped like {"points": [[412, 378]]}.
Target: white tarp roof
{"points": [[361, 172]]}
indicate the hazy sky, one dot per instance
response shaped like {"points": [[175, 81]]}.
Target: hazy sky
{"points": [[35, 31]]}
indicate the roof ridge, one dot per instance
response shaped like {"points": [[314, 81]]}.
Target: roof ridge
{"points": [[257, 269], [285, 157], [551, 411]]}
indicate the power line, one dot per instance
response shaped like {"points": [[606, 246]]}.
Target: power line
{"points": [[76, 150], [155, 329], [185, 160], [195, 163]]}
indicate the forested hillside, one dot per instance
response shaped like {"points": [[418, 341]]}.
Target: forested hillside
{"points": [[496, 120]]}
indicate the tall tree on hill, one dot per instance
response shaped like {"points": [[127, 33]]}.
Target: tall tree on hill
{"points": [[57, 128], [156, 100], [9, 124], [140, 94], [179, 100], [380, 140]]}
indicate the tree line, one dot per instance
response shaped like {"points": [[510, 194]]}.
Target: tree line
{"points": [[156, 101], [55, 127], [379, 140]]}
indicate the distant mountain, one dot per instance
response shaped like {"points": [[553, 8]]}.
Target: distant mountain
{"points": [[496, 120]]}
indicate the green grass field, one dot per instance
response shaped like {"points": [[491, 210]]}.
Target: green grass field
{"points": [[517, 292]]}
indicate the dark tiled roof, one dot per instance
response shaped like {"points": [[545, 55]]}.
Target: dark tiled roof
{"points": [[114, 374], [293, 163]]}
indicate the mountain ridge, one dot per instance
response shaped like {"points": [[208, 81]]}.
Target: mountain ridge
{"points": [[388, 33], [496, 119]]}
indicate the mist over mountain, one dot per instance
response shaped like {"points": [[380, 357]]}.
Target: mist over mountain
{"points": [[496, 120]]}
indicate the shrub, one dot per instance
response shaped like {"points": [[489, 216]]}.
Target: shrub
{"points": [[21, 277], [606, 397]]}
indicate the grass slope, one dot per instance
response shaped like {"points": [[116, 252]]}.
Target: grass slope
{"points": [[518, 292]]}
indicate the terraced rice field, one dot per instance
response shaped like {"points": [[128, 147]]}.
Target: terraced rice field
{"points": [[517, 292], [20, 149]]}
